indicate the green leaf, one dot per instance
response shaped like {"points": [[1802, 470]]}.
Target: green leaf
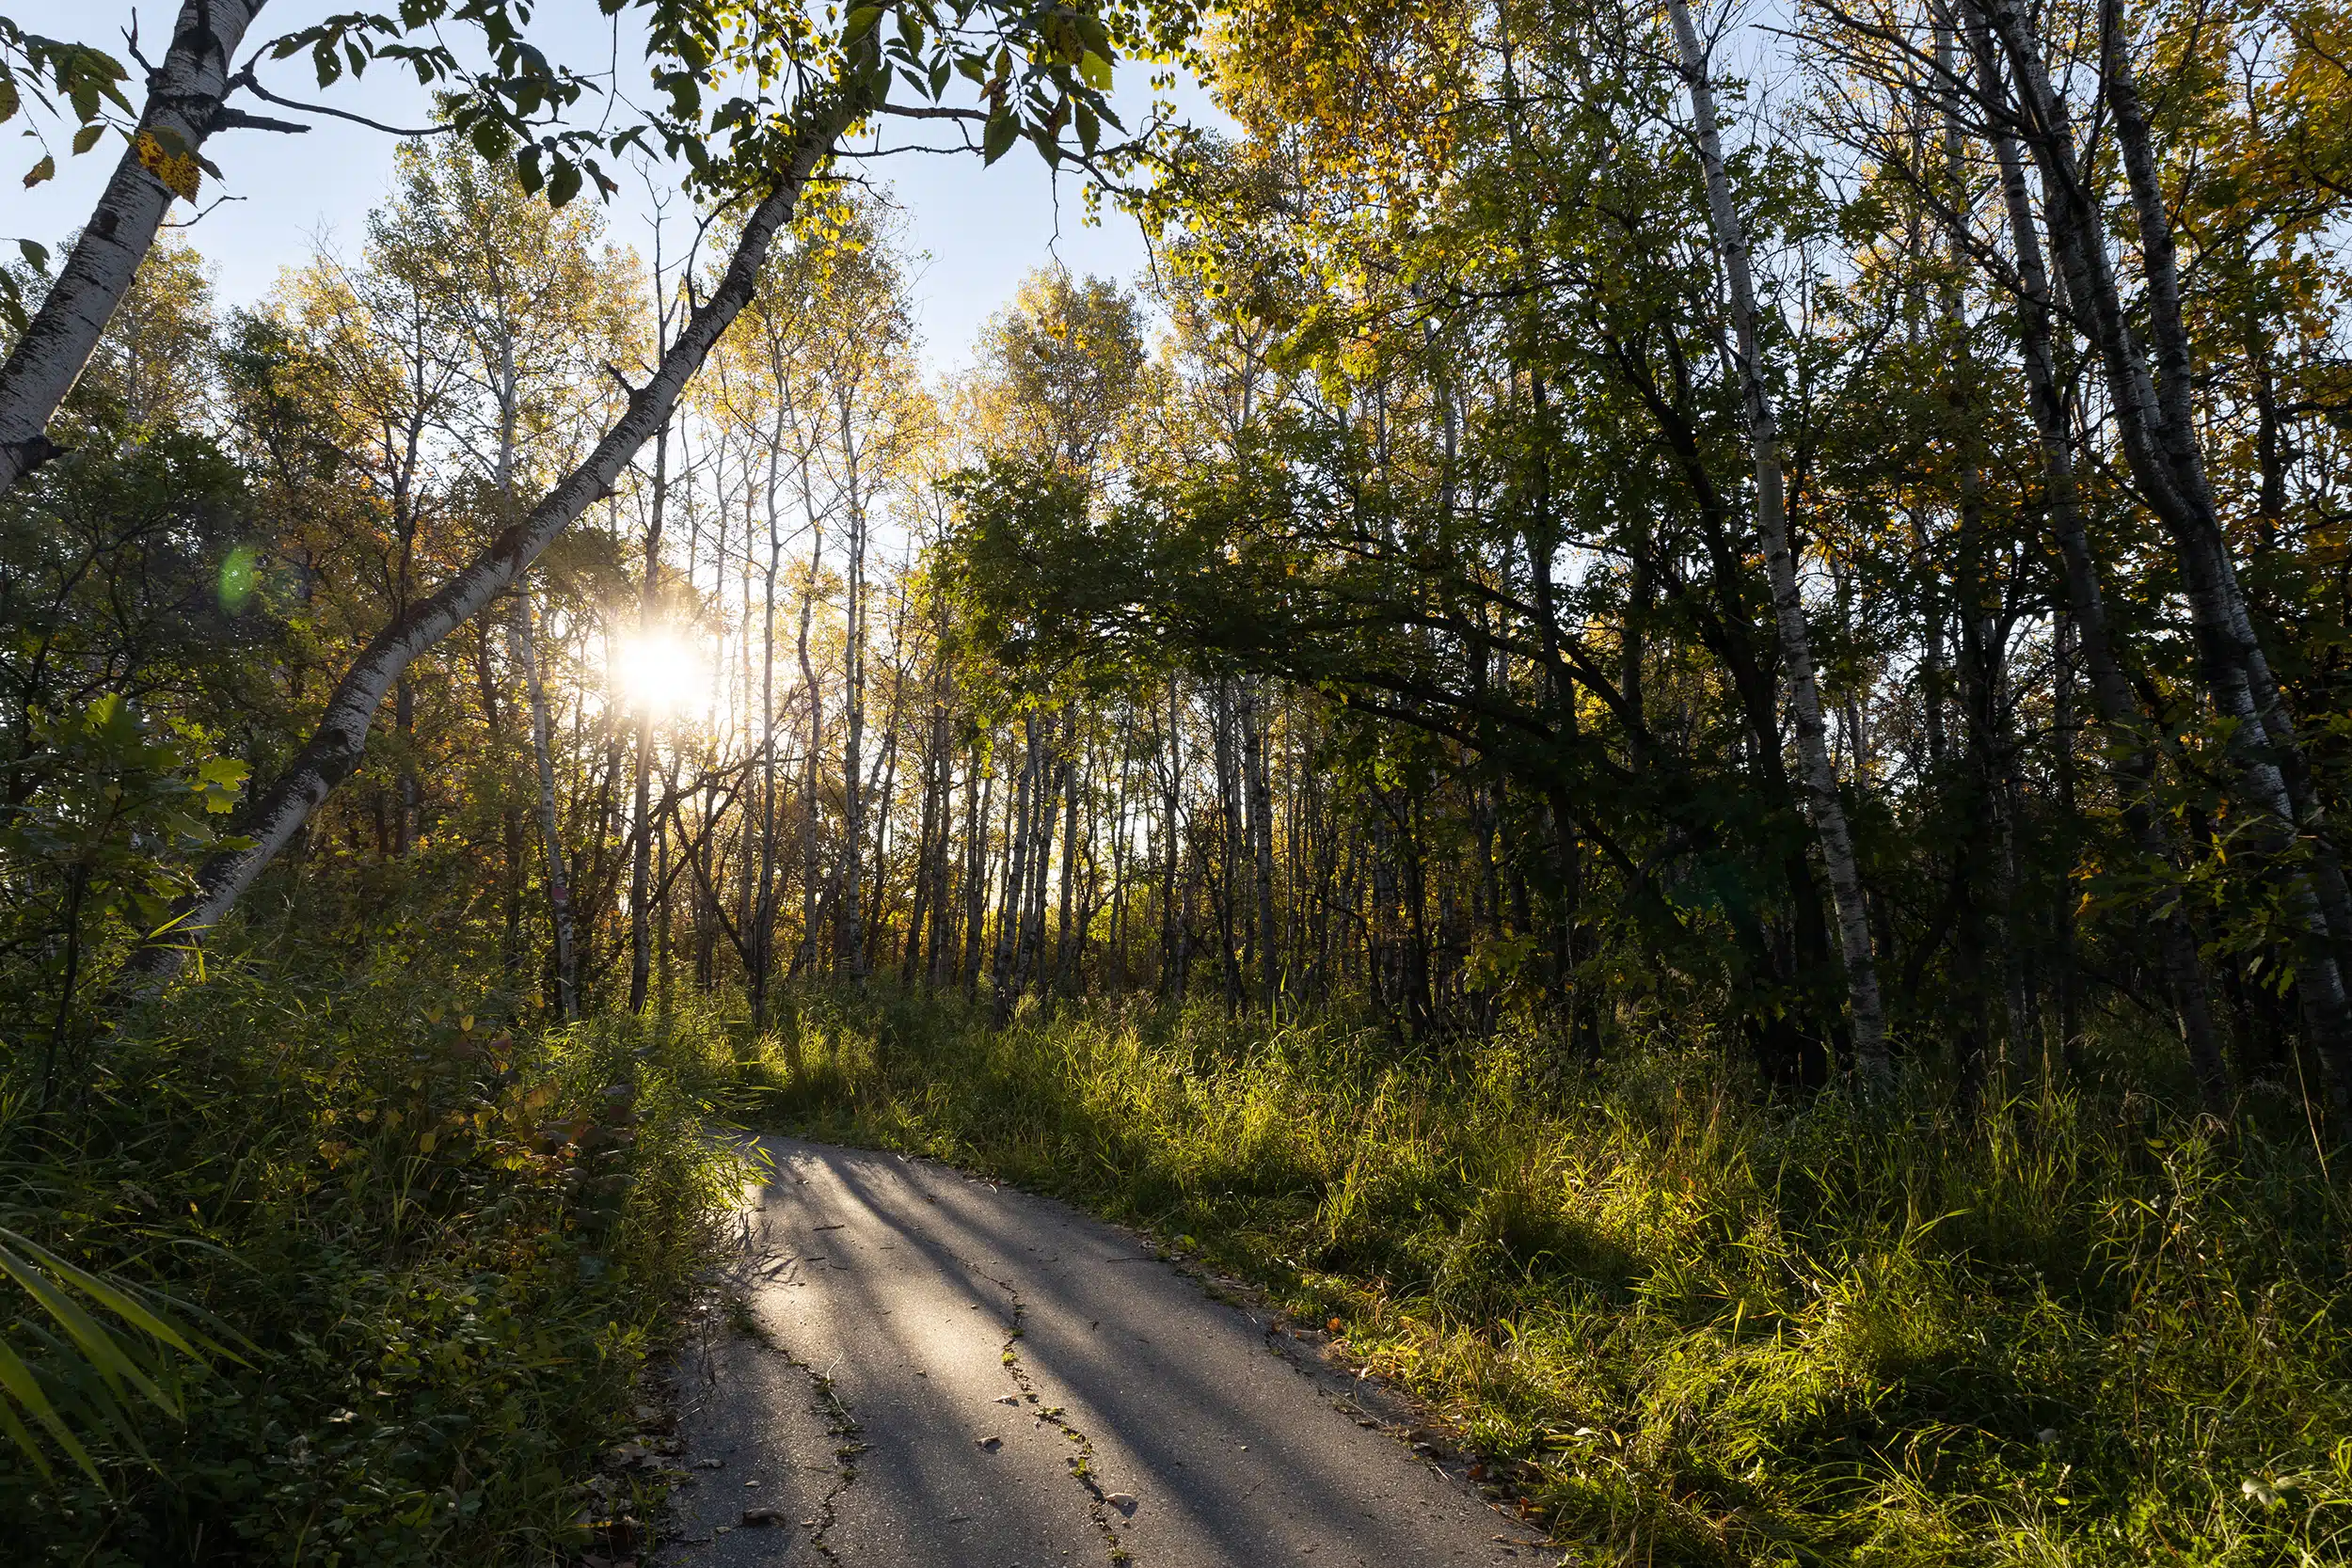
{"points": [[117, 1299], [36, 255], [102, 1351], [9, 102], [997, 140], [489, 138], [1096, 69], [563, 183], [87, 138], [22, 1388]]}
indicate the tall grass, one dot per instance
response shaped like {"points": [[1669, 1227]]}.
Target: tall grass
{"points": [[449, 1244], [1694, 1326]]}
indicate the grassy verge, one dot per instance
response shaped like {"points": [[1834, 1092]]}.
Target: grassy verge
{"points": [[450, 1245], [1698, 1328]]}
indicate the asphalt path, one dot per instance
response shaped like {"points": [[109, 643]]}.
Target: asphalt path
{"points": [[927, 1369]]}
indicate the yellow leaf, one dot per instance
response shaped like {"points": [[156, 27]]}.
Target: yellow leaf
{"points": [[178, 172]]}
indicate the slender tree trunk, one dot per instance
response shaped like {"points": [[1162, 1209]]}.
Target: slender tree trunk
{"points": [[1255, 724], [1828, 808], [849, 952], [550, 834], [1065, 930], [1171, 840], [2132, 746], [2161, 453], [979, 783], [640, 821], [760, 937], [812, 775], [336, 745], [1013, 906]]}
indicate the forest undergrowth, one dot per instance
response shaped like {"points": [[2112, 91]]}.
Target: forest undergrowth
{"points": [[1694, 1324], [436, 1254]]}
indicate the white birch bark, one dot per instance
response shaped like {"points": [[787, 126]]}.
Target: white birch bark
{"points": [[1827, 808], [335, 747], [184, 106]]}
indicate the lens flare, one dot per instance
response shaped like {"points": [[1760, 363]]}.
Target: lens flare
{"points": [[660, 673]]}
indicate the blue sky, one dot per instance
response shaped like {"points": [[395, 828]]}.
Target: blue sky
{"points": [[983, 229]]}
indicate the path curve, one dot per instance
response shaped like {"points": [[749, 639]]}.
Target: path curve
{"points": [[930, 1369]]}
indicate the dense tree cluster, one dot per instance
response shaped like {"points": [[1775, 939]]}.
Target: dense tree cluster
{"points": [[1862, 575], [1555, 541]]}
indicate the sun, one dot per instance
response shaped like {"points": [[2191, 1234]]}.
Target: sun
{"points": [[659, 673]]}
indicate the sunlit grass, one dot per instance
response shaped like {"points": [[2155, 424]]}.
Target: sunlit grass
{"points": [[1695, 1328]]}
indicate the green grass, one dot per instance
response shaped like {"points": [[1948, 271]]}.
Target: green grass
{"points": [[451, 1246], [1697, 1326]]}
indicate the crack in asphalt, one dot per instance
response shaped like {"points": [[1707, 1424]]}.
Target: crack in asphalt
{"points": [[1081, 1464], [1243, 1466], [840, 1424]]}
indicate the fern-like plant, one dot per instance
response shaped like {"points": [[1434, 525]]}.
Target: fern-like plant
{"points": [[145, 1363]]}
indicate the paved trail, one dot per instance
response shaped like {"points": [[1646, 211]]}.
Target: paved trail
{"points": [[941, 1372]]}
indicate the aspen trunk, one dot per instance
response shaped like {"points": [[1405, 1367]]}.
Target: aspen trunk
{"points": [[551, 833], [641, 806], [979, 783], [2135, 749], [849, 951], [2158, 433], [185, 104], [1260, 803], [1828, 808], [336, 745]]}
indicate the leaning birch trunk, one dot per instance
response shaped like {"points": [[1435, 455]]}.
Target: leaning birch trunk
{"points": [[1829, 812], [2176, 367], [335, 747], [551, 832], [2134, 750], [2162, 458], [183, 105]]}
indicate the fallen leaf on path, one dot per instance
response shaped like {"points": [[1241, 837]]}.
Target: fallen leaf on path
{"points": [[991, 1444]]}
